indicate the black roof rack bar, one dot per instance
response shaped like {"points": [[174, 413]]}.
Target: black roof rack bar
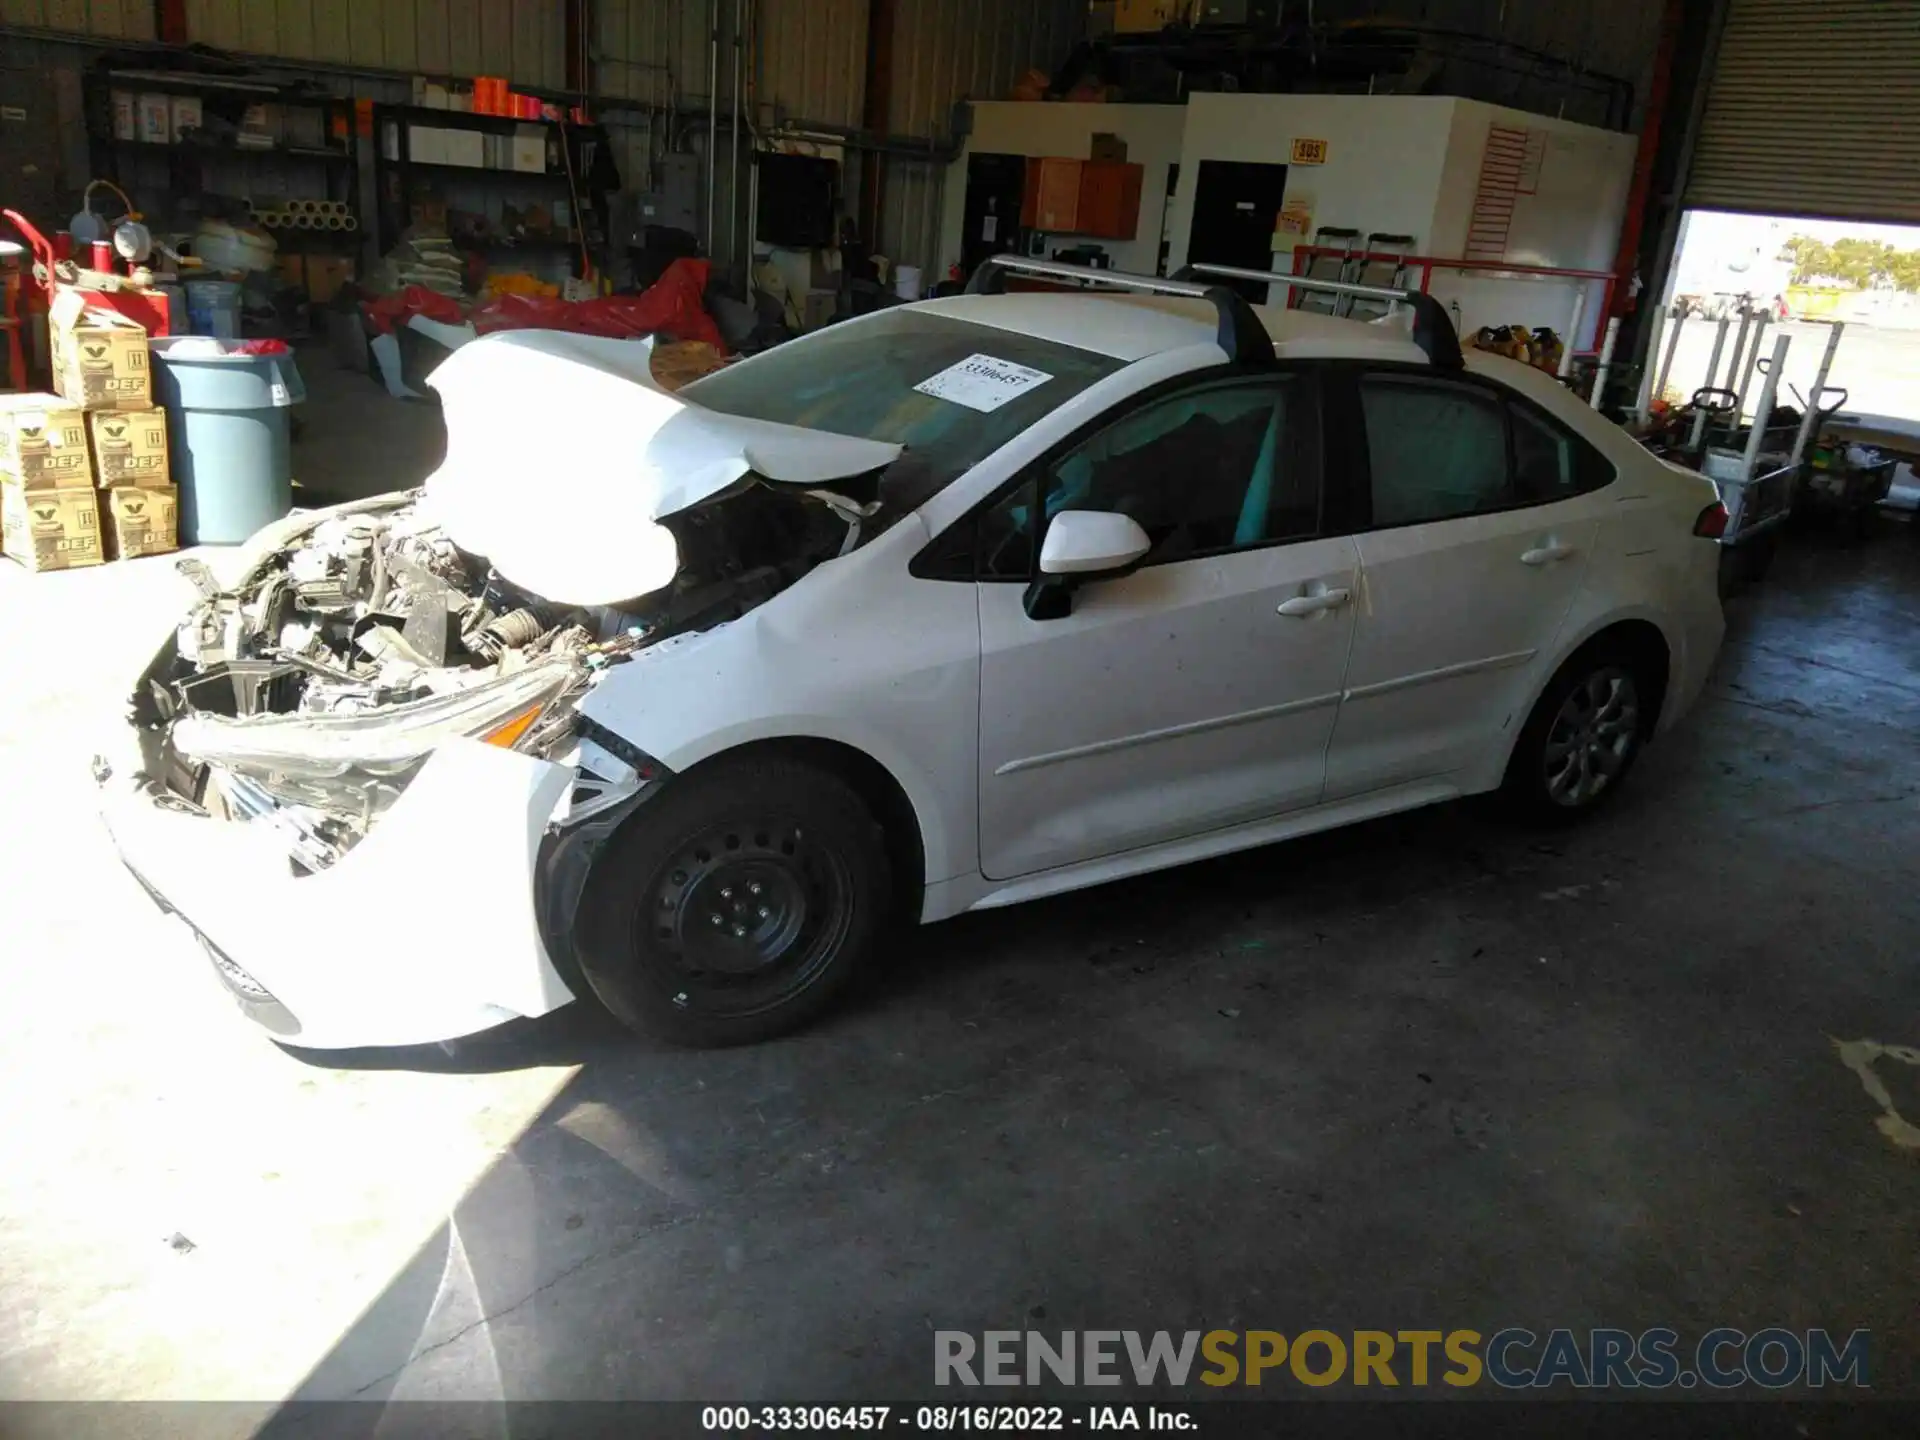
{"points": [[1241, 333], [1433, 328]]}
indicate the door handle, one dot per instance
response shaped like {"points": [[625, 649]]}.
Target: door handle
{"points": [[1546, 554], [1314, 604]]}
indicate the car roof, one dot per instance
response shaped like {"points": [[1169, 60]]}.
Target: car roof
{"points": [[1133, 327]]}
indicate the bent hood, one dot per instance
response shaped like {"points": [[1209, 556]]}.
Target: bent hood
{"points": [[564, 454]]}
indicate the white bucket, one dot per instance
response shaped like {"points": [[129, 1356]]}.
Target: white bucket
{"points": [[906, 282]]}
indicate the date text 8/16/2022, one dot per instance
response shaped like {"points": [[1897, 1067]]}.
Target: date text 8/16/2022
{"points": [[941, 1419]]}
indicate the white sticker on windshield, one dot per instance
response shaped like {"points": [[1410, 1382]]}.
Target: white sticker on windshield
{"points": [[980, 382]]}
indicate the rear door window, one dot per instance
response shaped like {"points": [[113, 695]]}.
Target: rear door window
{"points": [[1436, 449]]}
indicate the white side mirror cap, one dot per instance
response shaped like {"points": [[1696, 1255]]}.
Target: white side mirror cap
{"points": [[1090, 542]]}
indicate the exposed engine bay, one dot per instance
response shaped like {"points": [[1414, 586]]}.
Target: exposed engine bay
{"points": [[309, 693]]}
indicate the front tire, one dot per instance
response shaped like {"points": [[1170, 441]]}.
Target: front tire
{"points": [[737, 906], [1582, 738]]}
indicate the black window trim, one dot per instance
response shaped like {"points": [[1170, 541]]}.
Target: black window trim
{"points": [[938, 552], [1356, 479]]}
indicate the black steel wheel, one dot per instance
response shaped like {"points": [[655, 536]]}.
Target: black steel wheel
{"points": [[736, 906]]}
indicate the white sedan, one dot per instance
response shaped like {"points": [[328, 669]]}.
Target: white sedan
{"points": [[676, 698]]}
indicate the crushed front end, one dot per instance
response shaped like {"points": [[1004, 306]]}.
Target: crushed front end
{"points": [[343, 770]]}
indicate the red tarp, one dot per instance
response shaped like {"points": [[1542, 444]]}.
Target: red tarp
{"points": [[672, 306]]}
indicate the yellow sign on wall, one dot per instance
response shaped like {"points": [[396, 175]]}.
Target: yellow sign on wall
{"points": [[1309, 152]]}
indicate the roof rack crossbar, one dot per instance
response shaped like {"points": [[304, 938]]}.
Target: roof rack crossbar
{"points": [[1240, 333], [1433, 328]]}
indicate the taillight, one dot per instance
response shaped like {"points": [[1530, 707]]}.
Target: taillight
{"points": [[1712, 523]]}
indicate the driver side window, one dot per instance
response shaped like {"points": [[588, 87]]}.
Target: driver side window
{"points": [[1228, 467]]}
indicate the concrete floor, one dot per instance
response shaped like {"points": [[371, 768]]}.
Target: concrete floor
{"points": [[1430, 1072]]}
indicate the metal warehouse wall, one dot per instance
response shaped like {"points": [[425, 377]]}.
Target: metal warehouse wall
{"points": [[944, 50], [524, 40], [126, 19], [805, 63]]}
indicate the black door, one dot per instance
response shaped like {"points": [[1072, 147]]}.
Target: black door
{"points": [[1236, 207], [992, 224]]}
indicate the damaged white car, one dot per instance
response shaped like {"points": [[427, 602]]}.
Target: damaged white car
{"points": [[674, 699]]}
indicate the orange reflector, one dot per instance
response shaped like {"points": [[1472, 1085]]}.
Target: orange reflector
{"points": [[508, 734]]}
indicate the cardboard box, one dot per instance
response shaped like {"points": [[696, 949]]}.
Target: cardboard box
{"points": [[129, 448], [100, 360], [184, 112], [156, 119], [1144, 17], [464, 147], [37, 443], [327, 275], [819, 307], [50, 529], [530, 149], [137, 520], [1108, 147]]}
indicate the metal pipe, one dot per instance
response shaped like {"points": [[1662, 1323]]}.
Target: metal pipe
{"points": [[733, 148], [1753, 359], [753, 210], [1301, 282], [1735, 382], [1713, 368], [713, 108], [1606, 362], [1643, 402], [1763, 412], [1811, 418], [1666, 363], [1573, 333], [1059, 270]]}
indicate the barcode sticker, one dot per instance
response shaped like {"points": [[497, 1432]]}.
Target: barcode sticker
{"points": [[981, 382], [280, 396]]}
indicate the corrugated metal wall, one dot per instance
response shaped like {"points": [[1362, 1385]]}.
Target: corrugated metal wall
{"points": [[1610, 37], [523, 40], [126, 19], [805, 61], [947, 50]]}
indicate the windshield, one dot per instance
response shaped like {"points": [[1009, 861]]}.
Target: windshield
{"points": [[950, 391]]}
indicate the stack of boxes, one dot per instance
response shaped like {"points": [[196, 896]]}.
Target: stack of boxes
{"points": [[84, 474]]}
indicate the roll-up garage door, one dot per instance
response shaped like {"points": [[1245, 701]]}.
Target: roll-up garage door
{"points": [[1813, 108]]}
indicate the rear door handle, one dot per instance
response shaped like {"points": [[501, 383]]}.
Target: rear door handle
{"points": [[1546, 554], [1313, 604]]}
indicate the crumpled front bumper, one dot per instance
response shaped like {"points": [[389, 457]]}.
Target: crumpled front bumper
{"points": [[425, 931]]}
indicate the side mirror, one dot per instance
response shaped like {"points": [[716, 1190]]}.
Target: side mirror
{"points": [[1091, 542], [1082, 545]]}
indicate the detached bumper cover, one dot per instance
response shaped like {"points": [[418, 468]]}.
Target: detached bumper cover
{"points": [[425, 931]]}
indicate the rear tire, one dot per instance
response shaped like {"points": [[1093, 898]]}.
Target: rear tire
{"points": [[737, 906], [1582, 738]]}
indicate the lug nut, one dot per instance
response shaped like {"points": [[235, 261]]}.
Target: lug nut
{"points": [[717, 920], [754, 889], [726, 892], [763, 912], [739, 930]]}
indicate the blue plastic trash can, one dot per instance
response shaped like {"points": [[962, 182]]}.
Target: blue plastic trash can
{"points": [[227, 426]]}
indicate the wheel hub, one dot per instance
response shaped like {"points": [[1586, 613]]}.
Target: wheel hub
{"points": [[747, 905], [743, 915], [1592, 736]]}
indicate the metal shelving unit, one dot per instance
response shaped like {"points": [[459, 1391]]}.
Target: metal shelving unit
{"points": [[212, 160], [398, 177]]}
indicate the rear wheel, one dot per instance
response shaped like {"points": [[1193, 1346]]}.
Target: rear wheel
{"points": [[1581, 739], [737, 906]]}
